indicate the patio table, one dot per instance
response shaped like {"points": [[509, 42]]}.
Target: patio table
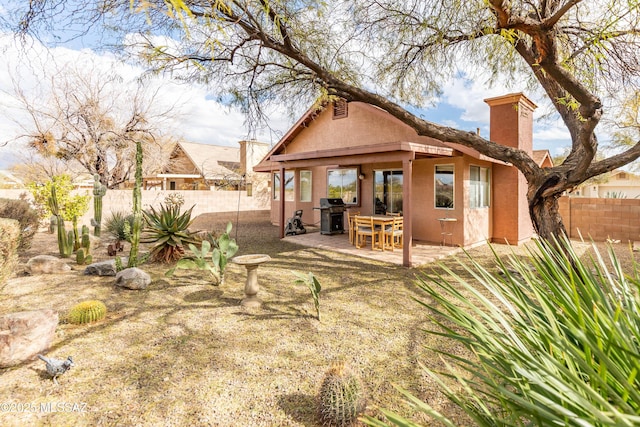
{"points": [[380, 222]]}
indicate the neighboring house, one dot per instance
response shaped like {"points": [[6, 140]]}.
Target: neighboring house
{"points": [[193, 166], [361, 153], [619, 184], [9, 181]]}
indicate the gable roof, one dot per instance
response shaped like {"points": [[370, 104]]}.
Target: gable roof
{"points": [[209, 161], [541, 156], [422, 146]]}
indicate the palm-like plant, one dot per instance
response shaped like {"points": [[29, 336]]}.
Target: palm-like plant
{"points": [[555, 340], [168, 229]]}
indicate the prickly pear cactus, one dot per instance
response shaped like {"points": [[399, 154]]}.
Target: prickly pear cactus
{"points": [[341, 399], [87, 312]]}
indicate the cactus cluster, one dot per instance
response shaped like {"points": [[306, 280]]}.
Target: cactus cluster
{"points": [[341, 398], [99, 190], [87, 312], [66, 240], [83, 254]]}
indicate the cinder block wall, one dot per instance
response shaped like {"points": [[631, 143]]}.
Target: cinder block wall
{"points": [[601, 219], [204, 202]]}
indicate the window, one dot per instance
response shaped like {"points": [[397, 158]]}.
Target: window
{"points": [[387, 193], [343, 184], [276, 186], [479, 179], [305, 186], [288, 185], [444, 186]]}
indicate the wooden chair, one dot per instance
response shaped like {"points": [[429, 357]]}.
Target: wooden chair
{"points": [[393, 236], [364, 228], [352, 235]]}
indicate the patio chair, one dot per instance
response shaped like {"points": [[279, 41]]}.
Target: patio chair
{"points": [[352, 235], [364, 228], [394, 235]]}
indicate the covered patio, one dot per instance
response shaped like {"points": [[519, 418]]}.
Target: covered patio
{"points": [[422, 252]]}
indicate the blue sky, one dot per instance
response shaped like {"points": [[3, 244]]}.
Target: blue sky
{"points": [[204, 120]]}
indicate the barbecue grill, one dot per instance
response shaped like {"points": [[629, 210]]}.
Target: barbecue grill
{"points": [[332, 216]]}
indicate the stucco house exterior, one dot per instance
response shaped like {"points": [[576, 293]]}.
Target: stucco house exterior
{"points": [[193, 166], [620, 184], [361, 153]]}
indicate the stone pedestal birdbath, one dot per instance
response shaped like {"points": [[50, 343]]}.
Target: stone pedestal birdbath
{"points": [[251, 263]]}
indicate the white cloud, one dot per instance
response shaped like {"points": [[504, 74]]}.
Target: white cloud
{"points": [[198, 117]]}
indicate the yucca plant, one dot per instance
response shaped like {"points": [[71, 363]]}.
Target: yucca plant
{"points": [[167, 228], [119, 225], [555, 339]]}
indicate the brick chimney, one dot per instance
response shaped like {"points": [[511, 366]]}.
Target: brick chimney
{"points": [[511, 124]]}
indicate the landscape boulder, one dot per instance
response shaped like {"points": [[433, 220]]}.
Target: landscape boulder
{"points": [[133, 278], [25, 334], [47, 264], [104, 268]]}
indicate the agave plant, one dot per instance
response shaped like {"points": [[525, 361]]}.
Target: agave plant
{"points": [[167, 228], [554, 339]]}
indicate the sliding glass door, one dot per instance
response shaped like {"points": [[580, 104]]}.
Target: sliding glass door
{"points": [[387, 191]]}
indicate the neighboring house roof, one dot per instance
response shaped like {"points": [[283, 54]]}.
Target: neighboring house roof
{"points": [[209, 161], [8, 179], [542, 158]]}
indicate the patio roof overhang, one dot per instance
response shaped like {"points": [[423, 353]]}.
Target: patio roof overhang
{"points": [[390, 151]]}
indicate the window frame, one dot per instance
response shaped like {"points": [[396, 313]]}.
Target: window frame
{"points": [[309, 197], [356, 173], [453, 186], [483, 171]]}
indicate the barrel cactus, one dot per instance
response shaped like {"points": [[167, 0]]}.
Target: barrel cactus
{"points": [[87, 312], [341, 399]]}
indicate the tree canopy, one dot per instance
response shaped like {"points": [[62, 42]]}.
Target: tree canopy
{"points": [[581, 54]]}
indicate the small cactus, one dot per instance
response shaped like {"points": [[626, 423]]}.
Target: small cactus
{"points": [[341, 399], [83, 255], [87, 312]]}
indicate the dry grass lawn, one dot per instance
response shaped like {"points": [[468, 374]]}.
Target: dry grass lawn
{"points": [[183, 352]]}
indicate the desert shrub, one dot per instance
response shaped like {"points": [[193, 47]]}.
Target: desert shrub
{"points": [[555, 339], [119, 225], [21, 211], [9, 237], [168, 229]]}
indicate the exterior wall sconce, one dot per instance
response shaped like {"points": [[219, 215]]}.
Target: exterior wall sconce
{"points": [[361, 176]]}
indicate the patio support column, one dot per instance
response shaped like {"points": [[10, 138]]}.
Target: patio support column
{"points": [[281, 202], [407, 239]]}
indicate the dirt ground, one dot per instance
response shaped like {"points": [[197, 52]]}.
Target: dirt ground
{"points": [[184, 352]]}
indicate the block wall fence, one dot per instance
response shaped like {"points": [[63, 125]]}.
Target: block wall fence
{"points": [[204, 202], [600, 219]]}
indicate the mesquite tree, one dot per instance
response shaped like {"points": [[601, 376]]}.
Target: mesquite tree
{"points": [[392, 53]]}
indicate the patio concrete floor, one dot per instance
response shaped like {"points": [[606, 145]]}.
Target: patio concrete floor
{"points": [[421, 253]]}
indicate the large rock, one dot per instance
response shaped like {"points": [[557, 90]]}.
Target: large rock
{"points": [[133, 278], [25, 334], [104, 268], [47, 264]]}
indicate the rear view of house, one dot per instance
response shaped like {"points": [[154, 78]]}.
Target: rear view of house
{"points": [[377, 164]]}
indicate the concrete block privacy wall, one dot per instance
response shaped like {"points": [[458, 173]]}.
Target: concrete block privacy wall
{"points": [[600, 219], [204, 202]]}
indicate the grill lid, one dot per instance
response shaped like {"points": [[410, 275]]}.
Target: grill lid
{"points": [[328, 202]]}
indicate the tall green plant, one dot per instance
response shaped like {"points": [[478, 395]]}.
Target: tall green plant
{"points": [[137, 210], [555, 340], [65, 241], [99, 190]]}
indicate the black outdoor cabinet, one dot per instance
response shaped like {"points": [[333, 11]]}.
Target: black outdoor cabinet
{"points": [[332, 216]]}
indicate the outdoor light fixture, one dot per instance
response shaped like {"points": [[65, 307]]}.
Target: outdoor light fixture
{"points": [[361, 176]]}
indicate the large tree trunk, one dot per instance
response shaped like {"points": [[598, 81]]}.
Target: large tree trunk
{"points": [[545, 216]]}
